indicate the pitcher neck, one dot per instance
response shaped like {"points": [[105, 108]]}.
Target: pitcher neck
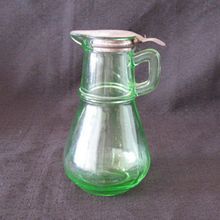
{"points": [[107, 76]]}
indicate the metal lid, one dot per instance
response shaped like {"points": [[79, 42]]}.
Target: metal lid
{"points": [[111, 39]]}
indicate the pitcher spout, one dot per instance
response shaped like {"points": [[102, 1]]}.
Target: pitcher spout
{"points": [[77, 37]]}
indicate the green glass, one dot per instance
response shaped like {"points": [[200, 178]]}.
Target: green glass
{"points": [[107, 151]]}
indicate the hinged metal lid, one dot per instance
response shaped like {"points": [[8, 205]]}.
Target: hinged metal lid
{"points": [[112, 38]]}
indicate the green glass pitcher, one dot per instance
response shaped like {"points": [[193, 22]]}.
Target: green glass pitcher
{"points": [[107, 151]]}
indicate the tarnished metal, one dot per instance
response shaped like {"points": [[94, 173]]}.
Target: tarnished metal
{"points": [[111, 40]]}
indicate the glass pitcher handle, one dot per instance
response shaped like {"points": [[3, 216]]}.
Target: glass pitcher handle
{"points": [[152, 57]]}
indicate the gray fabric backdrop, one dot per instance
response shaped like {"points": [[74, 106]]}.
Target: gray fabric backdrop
{"points": [[39, 76]]}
